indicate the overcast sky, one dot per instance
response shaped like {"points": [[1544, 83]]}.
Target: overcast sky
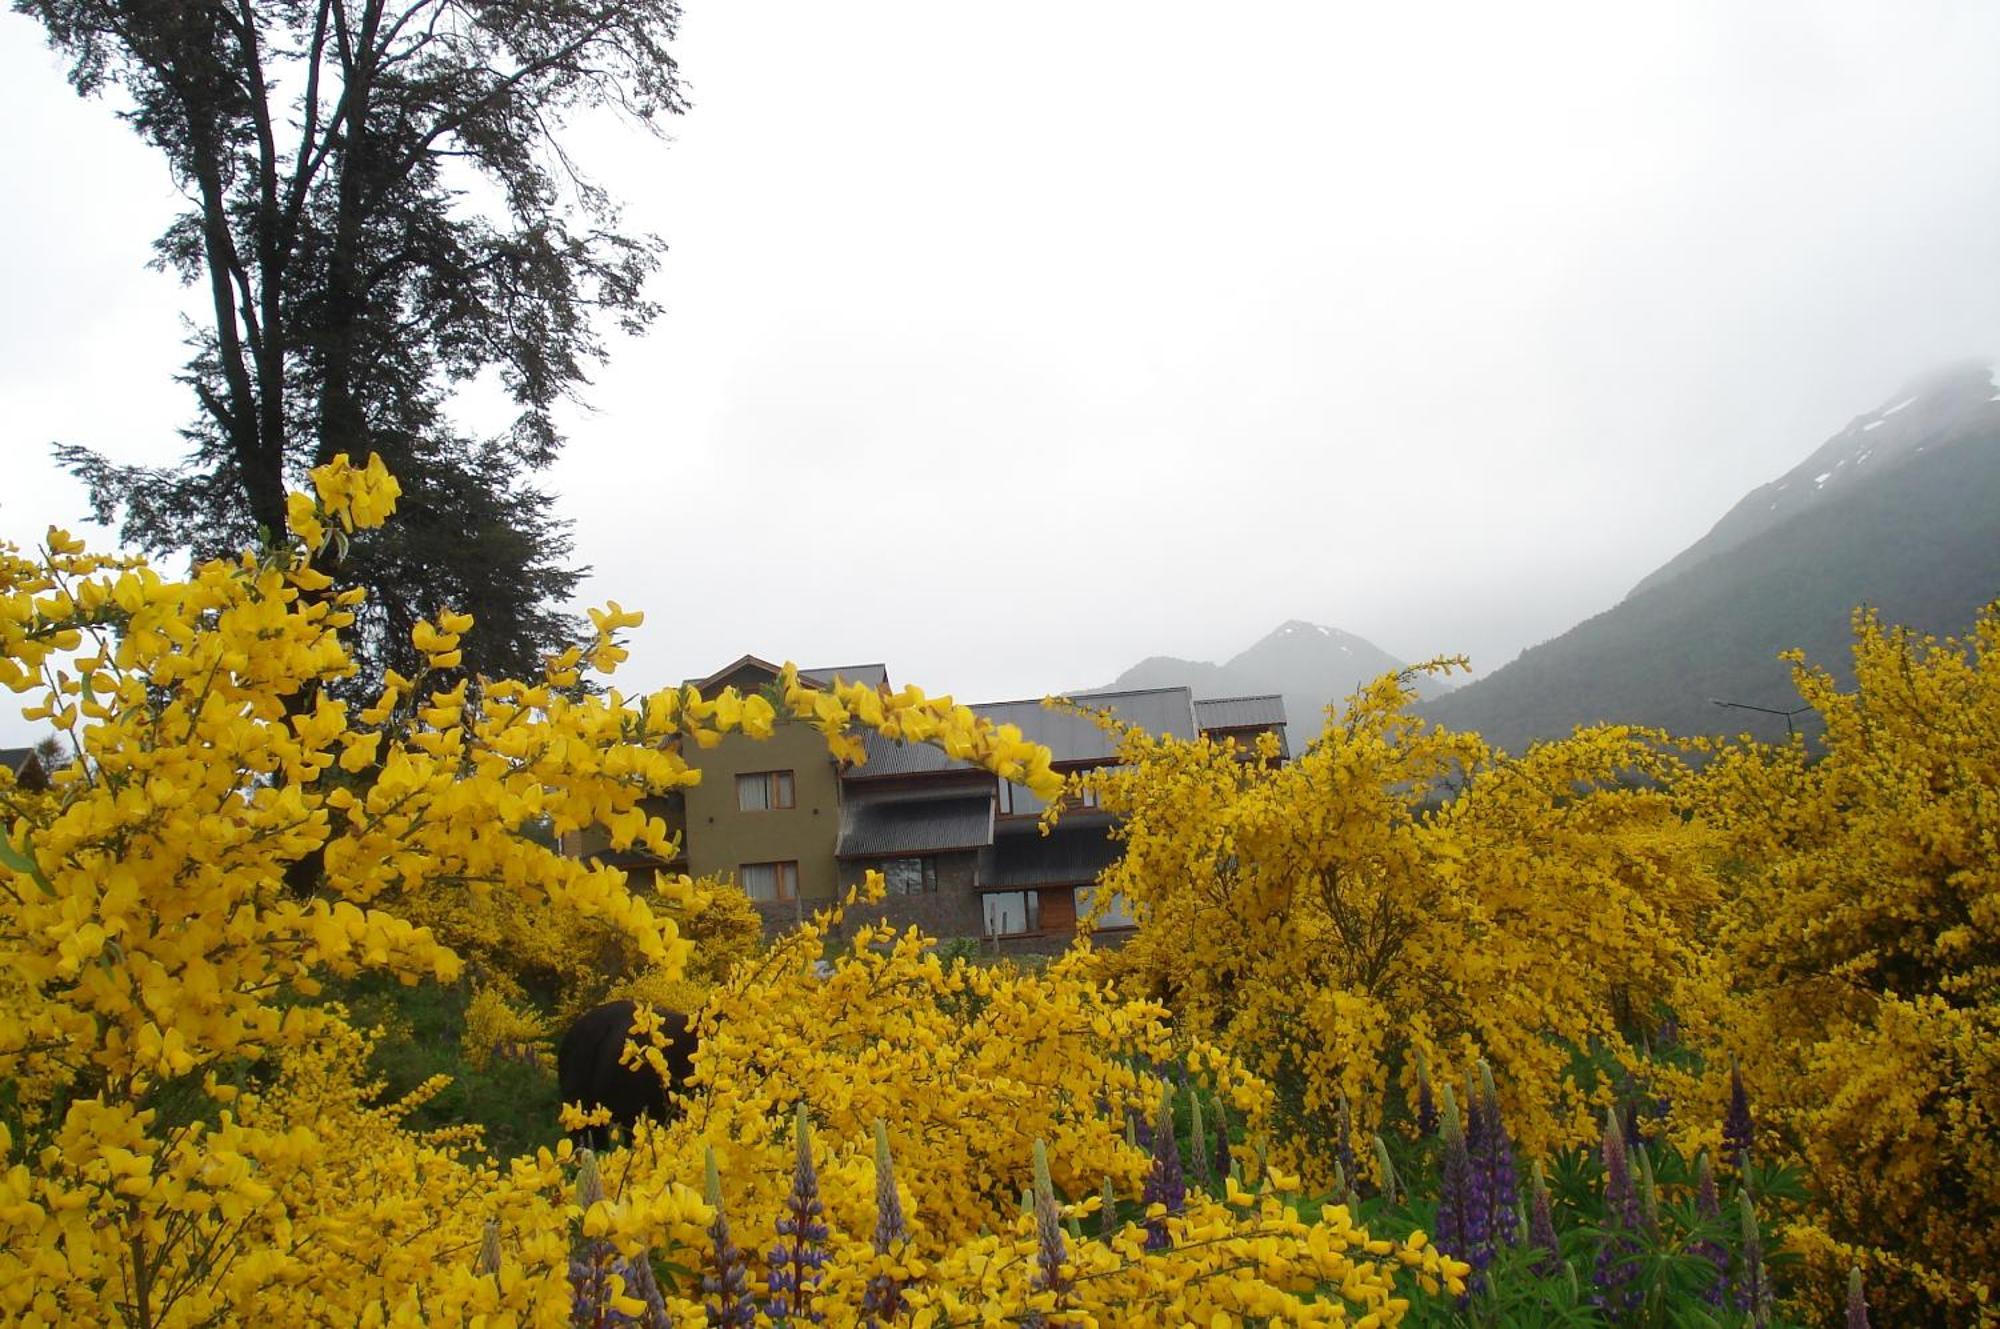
{"points": [[1010, 344]]}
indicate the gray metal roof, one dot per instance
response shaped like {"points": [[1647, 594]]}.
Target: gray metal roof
{"points": [[874, 675], [1070, 855], [1240, 712], [1071, 738], [885, 827]]}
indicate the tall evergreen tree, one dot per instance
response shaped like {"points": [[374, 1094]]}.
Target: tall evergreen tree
{"points": [[380, 210]]}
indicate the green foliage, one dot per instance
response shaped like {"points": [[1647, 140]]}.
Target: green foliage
{"points": [[514, 1103]]}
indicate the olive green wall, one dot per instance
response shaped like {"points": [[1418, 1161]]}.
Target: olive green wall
{"points": [[720, 839]]}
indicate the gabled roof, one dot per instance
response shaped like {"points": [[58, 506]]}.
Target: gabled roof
{"points": [[714, 680], [875, 675]]}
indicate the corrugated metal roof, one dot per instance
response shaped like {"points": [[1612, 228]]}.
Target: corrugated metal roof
{"points": [[1072, 738], [879, 828], [1240, 712], [1070, 855], [874, 675]]}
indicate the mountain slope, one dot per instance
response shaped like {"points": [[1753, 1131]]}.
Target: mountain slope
{"points": [[1309, 664], [1906, 521]]}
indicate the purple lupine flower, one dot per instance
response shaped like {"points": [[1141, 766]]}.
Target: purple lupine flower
{"points": [[1050, 1252], [1221, 1164], [1616, 1272], [1198, 1144], [1345, 1151], [884, 1298], [639, 1279], [1385, 1170], [1165, 1184], [1455, 1188], [798, 1261], [1739, 1132], [593, 1263], [1477, 1220], [1649, 1197], [1496, 1162], [1857, 1304], [1753, 1288], [489, 1250], [1542, 1226], [728, 1285], [1708, 1207]]}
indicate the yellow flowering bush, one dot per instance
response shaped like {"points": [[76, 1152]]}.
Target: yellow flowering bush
{"points": [[189, 1134], [1400, 894], [1857, 967]]}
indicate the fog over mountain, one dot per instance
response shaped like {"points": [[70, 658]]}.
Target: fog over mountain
{"points": [[1899, 511], [990, 354], [1309, 664]]}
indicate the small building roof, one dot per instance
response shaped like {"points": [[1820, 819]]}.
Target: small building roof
{"points": [[1262, 712], [874, 675], [1071, 738], [888, 827], [25, 765]]}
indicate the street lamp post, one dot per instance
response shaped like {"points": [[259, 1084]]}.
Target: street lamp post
{"points": [[1767, 710]]}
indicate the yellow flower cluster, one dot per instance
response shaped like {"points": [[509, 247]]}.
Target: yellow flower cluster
{"points": [[229, 835], [1400, 892]]}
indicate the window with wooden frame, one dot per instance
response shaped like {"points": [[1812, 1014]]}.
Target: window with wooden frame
{"points": [[1012, 913], [765, 791], [769, 881], [909, 876]]}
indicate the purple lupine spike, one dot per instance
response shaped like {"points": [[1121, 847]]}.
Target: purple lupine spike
{"points": [[1739, 1132], [1165, 1184], [593, 1263], [1753, 1289], [1455, 1187], [1477, 1219], [1385, 1172], [1427, 1112], [1051, 1254], [1107, 1216], [1198, 1144], [1345, 1152], [1221, 1164], [728, 1285], [1496, 1160], [1616, 1272], [1857, 1303], [1708, 1207], [798, 1261], [1542, 1226], [883, 1299]]}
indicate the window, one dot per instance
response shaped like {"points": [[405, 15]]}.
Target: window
{"points": [[1019, 801], [764, 791], [910, 876], [1117, 910], [1013, 913], [769, 881]]}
